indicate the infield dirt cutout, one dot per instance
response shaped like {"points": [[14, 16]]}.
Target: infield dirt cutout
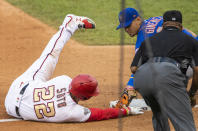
{"points": [[22, 39]]}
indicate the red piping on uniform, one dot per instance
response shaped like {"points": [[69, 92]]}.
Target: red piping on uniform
{"points": [[52, 48], [68, 22]]}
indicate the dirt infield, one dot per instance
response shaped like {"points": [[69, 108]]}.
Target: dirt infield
{"points": [[22, 39]]}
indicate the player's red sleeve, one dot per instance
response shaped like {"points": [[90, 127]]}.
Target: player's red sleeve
{"points": [[104, 114]]}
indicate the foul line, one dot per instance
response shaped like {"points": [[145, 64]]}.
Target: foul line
{"points": [[9, 120]]}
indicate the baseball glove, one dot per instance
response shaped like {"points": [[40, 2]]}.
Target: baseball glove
{"points": [[125, 99]]}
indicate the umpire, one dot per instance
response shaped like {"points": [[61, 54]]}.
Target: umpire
{"points": [[160, 66]]}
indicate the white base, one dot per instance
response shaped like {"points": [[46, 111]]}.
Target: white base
{"points": [[134, 103]]}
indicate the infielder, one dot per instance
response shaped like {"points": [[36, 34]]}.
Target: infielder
{"points": [[34, 96], [130, 20]]}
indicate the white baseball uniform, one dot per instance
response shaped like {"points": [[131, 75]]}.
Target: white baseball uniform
{"points": [[32, 96]]}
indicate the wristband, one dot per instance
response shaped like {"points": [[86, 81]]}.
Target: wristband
{"points": [[127, 110]]}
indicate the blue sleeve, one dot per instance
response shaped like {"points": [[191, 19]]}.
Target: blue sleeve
{"points": [[190, 33], [130, 82], [140, 39]]}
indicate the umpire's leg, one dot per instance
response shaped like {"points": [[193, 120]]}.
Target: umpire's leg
{"points": [[145, 85], [159, 119], [169, 89], [176, 102]]}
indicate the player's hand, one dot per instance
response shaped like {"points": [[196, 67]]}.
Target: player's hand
{"points": [[193, 101], [135, 110], [112, 104]]}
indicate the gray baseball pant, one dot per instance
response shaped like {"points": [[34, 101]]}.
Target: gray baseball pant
{"points": [[163, 87]]}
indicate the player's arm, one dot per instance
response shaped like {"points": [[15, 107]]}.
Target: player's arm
{"points": [[137, 60], [134, 65], [129, 85], [190, 33], [110, 113], [140, 39], [194, 86]]}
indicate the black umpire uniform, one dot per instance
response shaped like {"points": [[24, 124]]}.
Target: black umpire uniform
{"points": [[160, 76]]}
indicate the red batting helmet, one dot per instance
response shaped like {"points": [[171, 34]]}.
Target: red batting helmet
{"points": [[84, 87]]}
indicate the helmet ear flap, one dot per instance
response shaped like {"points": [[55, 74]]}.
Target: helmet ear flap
{"points": [[84, 87]]}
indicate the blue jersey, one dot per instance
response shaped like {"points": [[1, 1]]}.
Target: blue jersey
{"points": [[148, 28]]}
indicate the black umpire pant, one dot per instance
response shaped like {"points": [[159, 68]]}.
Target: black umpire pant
{"points": [[163, 87]]}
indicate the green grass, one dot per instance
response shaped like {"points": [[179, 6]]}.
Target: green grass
{"points": [[104, 13]]}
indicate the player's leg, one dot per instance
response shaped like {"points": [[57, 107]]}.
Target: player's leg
{"points": [[43, 67]]}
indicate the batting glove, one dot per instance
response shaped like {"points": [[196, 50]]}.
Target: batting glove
{"points": [[135, 110]]}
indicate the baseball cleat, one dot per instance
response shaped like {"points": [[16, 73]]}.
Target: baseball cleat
{"points": [[73, 22], [80, 21], [85, 22]]}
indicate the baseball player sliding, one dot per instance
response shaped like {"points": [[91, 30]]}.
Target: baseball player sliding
{"points": [[34, 96]]}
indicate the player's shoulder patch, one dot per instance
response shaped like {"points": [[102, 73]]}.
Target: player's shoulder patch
{"points": [[86, 111], [159, 29]]}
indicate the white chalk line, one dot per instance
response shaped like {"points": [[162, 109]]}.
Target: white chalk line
{"points": [[9, 120]]}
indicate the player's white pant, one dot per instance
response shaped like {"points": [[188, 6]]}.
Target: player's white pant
{"points": [[41, 70]]}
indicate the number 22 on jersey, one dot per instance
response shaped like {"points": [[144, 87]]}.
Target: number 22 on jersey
{"points": [[45, 94]]}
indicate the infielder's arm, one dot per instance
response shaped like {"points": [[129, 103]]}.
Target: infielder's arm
{"points": [[140, 39], [135, 63], [194, 86], [190, 33], [137, 60]]}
